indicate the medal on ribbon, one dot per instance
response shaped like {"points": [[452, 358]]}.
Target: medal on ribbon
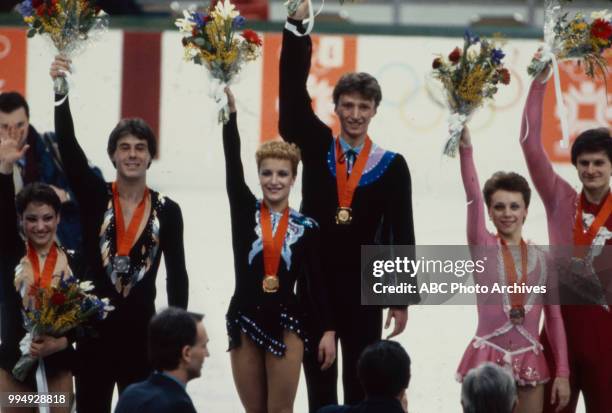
{"points": [[346, 186], [272, 246], [42, 279], [517, 310], [125, 237]]}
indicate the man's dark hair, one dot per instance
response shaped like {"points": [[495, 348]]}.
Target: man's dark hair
{"points": [[37, 192], [488, 388], [135, 127], [592, 140], [363, 83], [170, 331], [506, 181], [11, 101], [384, 369]]}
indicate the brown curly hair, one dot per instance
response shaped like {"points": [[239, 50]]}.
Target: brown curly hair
{"points": [[279, 150], [506, 181]]}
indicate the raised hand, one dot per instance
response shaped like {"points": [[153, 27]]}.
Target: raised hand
{"points": [[302, 11], [12, 149], [231, 100], [60, 66], [466, 138]]}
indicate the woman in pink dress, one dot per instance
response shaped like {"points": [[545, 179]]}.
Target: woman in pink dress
{"points": [[508, 331]]}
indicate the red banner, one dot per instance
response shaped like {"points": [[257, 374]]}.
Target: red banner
{"points": [[586, 101], [13, 60]]}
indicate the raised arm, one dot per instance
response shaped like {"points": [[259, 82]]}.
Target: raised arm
{"points": [[89, 188], [237, 190], [297, 121], [11, 244], [549, 184], [171, 238], [477, 233]]}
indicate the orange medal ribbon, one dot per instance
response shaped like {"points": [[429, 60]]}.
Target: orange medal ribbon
{"points": [[125, 239], [43, 280], [346, 186], [272, 246], [516, 299], [586, 238]]}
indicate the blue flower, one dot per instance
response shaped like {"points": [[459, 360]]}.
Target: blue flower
{"points": [[199, 19], [471, 37], [496, 56], [25, 8], [238, 22]]}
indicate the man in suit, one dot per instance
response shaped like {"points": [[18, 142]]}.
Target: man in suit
{"points": [[384, 372], [177, 349]]}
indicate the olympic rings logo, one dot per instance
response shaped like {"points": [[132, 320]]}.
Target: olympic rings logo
{"points": [[416, 88]]}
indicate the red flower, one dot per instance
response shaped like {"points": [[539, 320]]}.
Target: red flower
{"points": [[58, 299], [601, 29], [37, 3], [504, 75], [252, 37], [40, 10], [455, 55], [194, 31], [436, 63]]}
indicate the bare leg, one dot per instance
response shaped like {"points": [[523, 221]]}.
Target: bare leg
{"points": [[284, 375], [248, 369], [9, 384], [531, 399], [62, 382]]}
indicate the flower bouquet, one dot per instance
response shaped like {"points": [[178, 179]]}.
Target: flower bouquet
{"points": [[577, 38], [212, 40], [68, 23], [469, 77], [56, 310]]}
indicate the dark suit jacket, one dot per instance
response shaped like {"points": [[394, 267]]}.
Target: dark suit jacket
{"points": [[157, 394], [367, 406]]}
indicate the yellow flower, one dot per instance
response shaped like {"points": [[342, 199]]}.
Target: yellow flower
{"points": [[579, 26], [29, 19]]}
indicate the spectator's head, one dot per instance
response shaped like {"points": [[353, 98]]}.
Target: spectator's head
{"points": [[507, 195], [277, 163], [14, 113], [38, 207], [178, 343], [131, 147], [384, 370], [356, 98], [488, 388], [592, 157]]}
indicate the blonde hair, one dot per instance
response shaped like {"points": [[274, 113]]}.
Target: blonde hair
{"points": [[279, 150]]}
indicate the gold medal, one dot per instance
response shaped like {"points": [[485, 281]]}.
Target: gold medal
{"points": [[517, 315], [343, 216], [270, 284]]}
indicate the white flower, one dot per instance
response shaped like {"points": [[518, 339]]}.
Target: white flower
{"points": [[602, 14], [226, 9], [86, 286], [185, 25], [107, 306]]}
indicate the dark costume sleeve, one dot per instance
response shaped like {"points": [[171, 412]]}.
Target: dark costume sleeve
{"points": [[317, 283], [297, 121], [237, 190], [11, 244], [398, 214], [88, 187], [171, 239]]}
